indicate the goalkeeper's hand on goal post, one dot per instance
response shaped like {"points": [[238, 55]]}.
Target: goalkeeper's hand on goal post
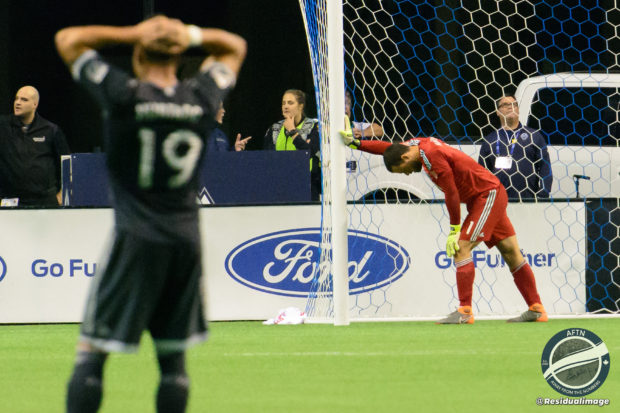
{"points": [[347, 135]]}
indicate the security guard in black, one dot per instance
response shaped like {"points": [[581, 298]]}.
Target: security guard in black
{"points": [[30, 160]]}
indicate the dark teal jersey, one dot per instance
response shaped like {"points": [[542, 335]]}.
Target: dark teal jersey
{"points": [[154, 141]]}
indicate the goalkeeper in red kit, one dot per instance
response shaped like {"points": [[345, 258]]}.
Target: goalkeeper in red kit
{"points": [[463, 180]]}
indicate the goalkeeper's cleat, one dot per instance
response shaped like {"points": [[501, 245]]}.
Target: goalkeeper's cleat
{"points": [[536, 313], [463, 315]]}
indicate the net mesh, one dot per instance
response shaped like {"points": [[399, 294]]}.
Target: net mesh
{"points": [[320, 299], [438, 68]]}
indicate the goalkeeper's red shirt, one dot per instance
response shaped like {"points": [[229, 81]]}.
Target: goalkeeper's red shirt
{"points": [[459, 176]]}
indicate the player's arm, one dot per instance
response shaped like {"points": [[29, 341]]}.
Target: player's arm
{"points": [[224, 47], [159, 34], [445, 180], [72, 42], [374, 147]]}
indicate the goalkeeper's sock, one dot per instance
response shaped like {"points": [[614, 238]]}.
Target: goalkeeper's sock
{"points": [[174, 384], [526, 283], [465, 274], [85, 387]]}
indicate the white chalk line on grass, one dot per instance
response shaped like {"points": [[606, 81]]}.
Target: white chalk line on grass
{"points": [[372, 354]]}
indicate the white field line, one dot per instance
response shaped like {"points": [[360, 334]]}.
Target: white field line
{"points": [[478, 317], [419, 353]]}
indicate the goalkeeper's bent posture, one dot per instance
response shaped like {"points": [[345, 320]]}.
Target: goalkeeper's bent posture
{"points": [[463, 180], [158, 127]]}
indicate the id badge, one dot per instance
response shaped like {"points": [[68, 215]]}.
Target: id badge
{"points": [[503, 162], [9, 202]]}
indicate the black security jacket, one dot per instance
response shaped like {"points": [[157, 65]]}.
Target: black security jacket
{"points": [[30, 158]]}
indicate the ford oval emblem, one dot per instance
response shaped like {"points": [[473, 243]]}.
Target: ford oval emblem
{"points": [[286, 262]]}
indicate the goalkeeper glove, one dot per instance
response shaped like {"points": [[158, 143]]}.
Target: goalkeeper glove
{"points": [[452, 245], [347, 135]]}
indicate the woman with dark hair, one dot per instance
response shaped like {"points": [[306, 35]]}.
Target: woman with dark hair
{"points": [[297, 132]]}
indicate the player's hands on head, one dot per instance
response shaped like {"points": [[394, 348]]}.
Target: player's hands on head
{"points": [[164, 35], [452, 244]]}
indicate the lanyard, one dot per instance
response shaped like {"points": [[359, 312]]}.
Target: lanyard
{"points": [[513, 141]]}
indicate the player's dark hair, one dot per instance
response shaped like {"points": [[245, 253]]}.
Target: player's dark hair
{"points": [[393, 155], [300, 97]]}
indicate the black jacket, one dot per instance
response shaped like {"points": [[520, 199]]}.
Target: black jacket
{"points": [[30, 158]]}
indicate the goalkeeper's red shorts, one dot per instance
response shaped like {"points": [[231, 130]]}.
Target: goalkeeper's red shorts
{"points": [[487, 219]]}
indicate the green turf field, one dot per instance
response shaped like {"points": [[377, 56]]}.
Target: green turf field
{"points": [[490, 366]]}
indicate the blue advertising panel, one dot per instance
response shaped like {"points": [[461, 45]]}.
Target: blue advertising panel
{"points": [[253, 177]]}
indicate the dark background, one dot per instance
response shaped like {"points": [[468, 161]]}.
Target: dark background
{"points": [[450, 60], [440, 97], [277, 59]]}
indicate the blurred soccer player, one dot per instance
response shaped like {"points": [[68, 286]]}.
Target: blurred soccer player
{"points": [[464, 181], [157, 129]]}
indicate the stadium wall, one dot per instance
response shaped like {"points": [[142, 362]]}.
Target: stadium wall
{"points": [[260, 259], [600, 164]]}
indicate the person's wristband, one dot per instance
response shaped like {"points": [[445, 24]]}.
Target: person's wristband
{"points": [[290, 133], [195, 35]]}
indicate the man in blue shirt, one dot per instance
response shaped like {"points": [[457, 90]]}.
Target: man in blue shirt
{"points": [[517, 155]]}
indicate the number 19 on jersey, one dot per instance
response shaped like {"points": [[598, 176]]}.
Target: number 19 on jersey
{"points": [[182, 163]]}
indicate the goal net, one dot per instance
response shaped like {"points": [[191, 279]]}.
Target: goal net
{"points": [[439, 68]]}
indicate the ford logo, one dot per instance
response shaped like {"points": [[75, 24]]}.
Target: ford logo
{"points": [[285, 262]]}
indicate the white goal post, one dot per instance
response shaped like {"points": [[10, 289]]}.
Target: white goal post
{"points": [[329, 298], [337, 160], [438, 69], [529, 87]]}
